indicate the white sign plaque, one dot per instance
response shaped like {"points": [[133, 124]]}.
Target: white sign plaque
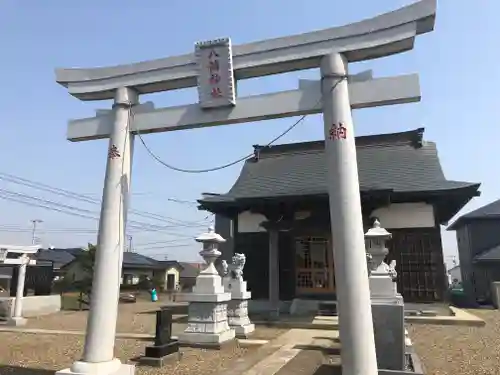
{"points": [[215, 73]]}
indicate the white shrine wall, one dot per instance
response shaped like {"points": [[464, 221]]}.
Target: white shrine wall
{"points": [[394, 216]]}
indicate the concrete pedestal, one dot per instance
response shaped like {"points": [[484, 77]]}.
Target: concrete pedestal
{"points": [[389, 330], [207, 321], [207, 312], [237, 312], [114, 367], [388, 322]]}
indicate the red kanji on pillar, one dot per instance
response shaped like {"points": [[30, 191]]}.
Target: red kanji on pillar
{"points": [[337, 132], [113, 152]]}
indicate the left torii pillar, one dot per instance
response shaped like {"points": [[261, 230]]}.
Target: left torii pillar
{"points": [[98, 354]]}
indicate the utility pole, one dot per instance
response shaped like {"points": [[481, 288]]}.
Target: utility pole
{"points": [[129, 243], [33, 233]]}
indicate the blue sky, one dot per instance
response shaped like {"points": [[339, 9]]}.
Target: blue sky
{"points": [[458, 76]]}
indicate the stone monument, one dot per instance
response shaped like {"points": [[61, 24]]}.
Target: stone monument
{"points": [[237, 310], [207, 313], [387, 304], [165, 347]]}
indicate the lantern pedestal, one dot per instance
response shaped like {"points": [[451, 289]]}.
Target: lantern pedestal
{"points": [[387, 304], [207, 313]]}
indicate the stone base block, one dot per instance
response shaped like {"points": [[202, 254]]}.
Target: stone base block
{"points": [[389, 330], [162, 350], [114, 367], [242, 332], [17, 321], [206, 339]]}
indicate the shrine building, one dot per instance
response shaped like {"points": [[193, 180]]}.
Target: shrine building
{"points": [[277, 214]]}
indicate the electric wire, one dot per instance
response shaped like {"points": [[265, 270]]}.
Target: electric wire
{"points": [[54, 206], [84, 198]]}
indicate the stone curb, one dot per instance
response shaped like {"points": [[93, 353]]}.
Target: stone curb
{"points": [[459, 318]]}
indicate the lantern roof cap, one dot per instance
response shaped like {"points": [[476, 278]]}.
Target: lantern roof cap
{"points": [[210, 237], [377, 231]]}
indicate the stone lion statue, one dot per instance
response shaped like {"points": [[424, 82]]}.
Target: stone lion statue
{"points": [[237, 265], [392, 270], [225, 267]]}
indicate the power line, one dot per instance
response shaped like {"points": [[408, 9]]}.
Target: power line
{"points": [[81, 210], [84, 198], [237, 161], [157, 242], [69, 210]]}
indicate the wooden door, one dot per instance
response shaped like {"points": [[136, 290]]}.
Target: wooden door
{"points": [[314, 266]]}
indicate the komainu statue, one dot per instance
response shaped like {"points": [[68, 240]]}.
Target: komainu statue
{"points": [[392, 270], [225, 268], [237, 265]]}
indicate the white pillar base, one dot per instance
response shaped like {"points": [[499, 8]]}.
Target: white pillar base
{"points": [[114, 367], [17, 321]]}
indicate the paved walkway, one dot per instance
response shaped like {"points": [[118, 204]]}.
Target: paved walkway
{"points": [[292, 345]]}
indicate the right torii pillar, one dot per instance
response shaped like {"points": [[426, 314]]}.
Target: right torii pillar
{"points": [[351, 274]]}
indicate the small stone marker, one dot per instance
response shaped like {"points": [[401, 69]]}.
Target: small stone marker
{"points": [[165, 347]]}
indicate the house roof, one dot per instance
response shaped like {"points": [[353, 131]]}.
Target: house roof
{"points": [[59, 257], [62, 257], [490, 211], [397, 162], [190, 270], [490, 255]]}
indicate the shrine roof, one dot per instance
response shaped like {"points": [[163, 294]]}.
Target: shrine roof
{"points": [[397, 162]]}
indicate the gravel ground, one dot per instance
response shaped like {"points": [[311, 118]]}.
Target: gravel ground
{"points": [[137, 317], [454, 350], [28, 354], [41, 354]]}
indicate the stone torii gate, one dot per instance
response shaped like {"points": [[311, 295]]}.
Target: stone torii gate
{"points": [[214, 68]]}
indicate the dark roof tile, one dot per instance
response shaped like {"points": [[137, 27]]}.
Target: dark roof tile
{"points": [[400, 162], [491, 255]]}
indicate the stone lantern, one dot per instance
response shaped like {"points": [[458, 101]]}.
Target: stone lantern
{"points": [[209, 280], [382, 275], [387, 304], [207, 313]]}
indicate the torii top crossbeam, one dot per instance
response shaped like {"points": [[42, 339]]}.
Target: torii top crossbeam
{"points": [[384, 35]]}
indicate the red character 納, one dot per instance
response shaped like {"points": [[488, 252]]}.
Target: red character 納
{"points": [[337, 132]]}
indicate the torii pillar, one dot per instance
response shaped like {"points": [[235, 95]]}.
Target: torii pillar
{"points": [[98, 353], [351, 273]]}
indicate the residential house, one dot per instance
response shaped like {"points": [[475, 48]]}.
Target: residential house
{"points": [[478, 240], [135, 267], [277, 214]]}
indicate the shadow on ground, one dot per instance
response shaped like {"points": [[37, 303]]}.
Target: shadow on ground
{"points": [[16, 370]]}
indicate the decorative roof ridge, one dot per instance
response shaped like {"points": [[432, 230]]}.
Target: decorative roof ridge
{"points": [[412, 137]]}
